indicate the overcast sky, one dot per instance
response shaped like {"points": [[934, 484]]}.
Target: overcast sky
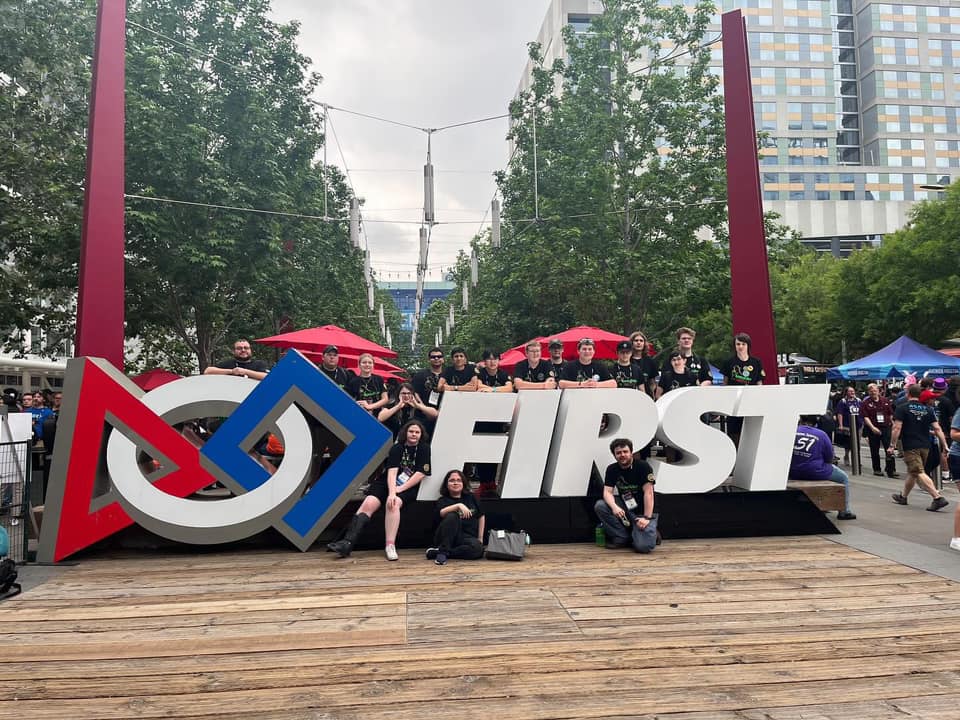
{"points": [[428, 63]]}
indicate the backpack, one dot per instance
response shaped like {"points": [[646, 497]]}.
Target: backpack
{"points": [[8, 576]]}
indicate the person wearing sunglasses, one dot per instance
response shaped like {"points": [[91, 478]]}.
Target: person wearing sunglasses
{"points": [[427, 381]]}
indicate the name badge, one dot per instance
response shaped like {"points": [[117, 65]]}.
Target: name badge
{"points": [[629, 500], [402, 478], [879, 417], [434, 398]]}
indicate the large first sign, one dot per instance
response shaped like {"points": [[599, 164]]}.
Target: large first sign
{"points": [[98, 486]]}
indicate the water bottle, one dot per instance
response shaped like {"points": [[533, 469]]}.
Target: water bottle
{"points": [[601, 536]]}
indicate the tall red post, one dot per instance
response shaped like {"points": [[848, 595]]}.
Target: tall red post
{"points": [[749, 274], [100, 304]]}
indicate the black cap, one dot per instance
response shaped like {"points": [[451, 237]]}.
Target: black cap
{"points": [[624, 345], [331, 349], [555, 343]]}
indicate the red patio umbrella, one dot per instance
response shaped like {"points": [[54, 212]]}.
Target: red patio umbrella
{"points": [[605, 342], [154, 378], [316, 339], [509, 360]]}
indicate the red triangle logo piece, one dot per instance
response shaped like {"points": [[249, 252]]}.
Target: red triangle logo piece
{"points": [[102, 399]]}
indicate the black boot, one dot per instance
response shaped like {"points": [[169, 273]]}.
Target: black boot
{"points": [[344, 547]]}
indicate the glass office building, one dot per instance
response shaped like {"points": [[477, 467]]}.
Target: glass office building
{"points": [[857, 103]]}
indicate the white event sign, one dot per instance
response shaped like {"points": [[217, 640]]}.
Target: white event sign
{"points": [[554, 436]]}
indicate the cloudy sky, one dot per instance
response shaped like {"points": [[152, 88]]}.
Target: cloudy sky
{"points": [[428, 63]]}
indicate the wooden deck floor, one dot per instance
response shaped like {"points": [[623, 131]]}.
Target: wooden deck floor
{"points": [[768, 628]]}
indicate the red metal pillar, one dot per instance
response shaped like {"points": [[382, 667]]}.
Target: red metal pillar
{"points": [[100, 304], [749, 275]]}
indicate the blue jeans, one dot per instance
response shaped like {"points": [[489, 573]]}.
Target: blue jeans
{"points": [[839, 476], [617, 531]]}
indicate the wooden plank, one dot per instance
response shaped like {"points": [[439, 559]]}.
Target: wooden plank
{"points": [[780, 628], [824, 494]]}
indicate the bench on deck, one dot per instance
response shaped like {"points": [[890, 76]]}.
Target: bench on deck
{"points": [[825, 494]]}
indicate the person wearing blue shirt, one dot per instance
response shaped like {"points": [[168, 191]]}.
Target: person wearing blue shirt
{"points": [[40, 412]]}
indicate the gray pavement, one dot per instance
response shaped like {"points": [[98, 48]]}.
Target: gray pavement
{"points": [[907, 534]]}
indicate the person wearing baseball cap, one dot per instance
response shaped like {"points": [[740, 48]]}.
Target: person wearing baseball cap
{"points": [[555, 348], [330, 366], [626, 373], [912, 423]]}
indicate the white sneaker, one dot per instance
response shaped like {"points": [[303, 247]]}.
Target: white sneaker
{"points": [[391, 552], [955, 544]]}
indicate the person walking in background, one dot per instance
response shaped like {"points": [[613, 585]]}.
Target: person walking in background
{"points": [[912, 422]]}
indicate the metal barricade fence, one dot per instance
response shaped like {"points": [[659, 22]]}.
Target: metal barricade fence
{"points": [[15, 461]]}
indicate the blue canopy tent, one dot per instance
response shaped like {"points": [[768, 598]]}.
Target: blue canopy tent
{"points": [[898, 359]]}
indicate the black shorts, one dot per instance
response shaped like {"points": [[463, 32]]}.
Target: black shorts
{"points": [[378, 488]]}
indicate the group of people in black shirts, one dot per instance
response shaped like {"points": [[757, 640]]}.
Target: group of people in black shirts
{"points": [[627, 502], [411, 414]]}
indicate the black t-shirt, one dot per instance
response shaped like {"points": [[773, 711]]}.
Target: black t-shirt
{"points": [[409, 459], [917, 419], [497, 380], [629, 481], [557, 370], [946, 409], [743, 372], [251, 364], [405, 415], [697, 366], [578, 372], [339, 375], [470, 526], [648, 366], [537, 374], [628, 376], [459, 377], [369, 389], [671, 381], [425, 383]]}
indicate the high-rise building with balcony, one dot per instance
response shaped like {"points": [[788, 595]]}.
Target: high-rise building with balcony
{"points": [[857, 102]]}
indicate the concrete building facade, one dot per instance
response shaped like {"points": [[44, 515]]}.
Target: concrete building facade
{"points": [[858, 103]]}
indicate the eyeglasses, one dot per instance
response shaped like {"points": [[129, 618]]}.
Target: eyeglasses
{"points": [[436, 357]]}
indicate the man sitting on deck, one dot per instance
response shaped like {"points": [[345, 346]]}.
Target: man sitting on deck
{"points": [[626, 508], [813, 460]]}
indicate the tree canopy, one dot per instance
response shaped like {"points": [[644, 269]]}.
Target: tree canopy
{"points": [[219, 113]]}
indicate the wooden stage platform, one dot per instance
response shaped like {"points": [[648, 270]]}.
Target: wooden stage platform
{"points": [[765, 628]]}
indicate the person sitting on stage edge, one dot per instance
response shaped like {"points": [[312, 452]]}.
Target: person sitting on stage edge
{"points": [[407, 464], [812, 459], [460, 532], [626, 508]]}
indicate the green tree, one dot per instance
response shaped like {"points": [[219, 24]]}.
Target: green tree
{"points": [[45, 46], [909, 285], [630, 174], [218, 113], [222, 116]]}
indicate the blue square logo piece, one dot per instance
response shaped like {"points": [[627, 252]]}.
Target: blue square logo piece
{"points": [[296, 380]]}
